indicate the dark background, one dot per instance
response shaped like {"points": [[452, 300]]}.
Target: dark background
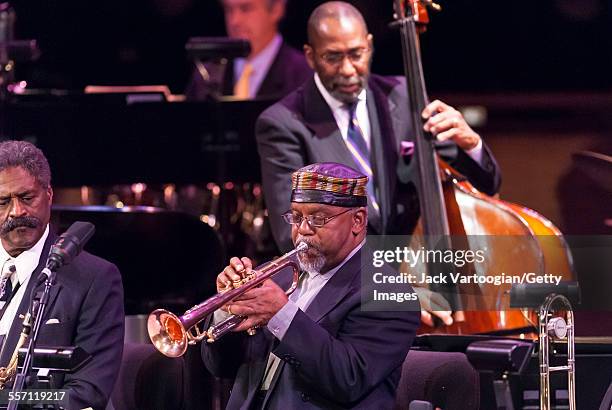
{"points": [[539, 70], [473, 45]]}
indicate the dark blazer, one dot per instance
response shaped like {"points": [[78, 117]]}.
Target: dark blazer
{"points": [[334, 355], [301, 130], [87, 300], [288, 71]]}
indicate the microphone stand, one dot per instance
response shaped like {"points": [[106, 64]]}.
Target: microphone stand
{"points": [[37, 313]]}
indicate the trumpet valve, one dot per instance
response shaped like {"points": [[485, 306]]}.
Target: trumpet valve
{"points": [[245, 279], [250, 276], [210, 336]]}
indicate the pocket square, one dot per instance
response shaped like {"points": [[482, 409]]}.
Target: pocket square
{"points": [[52, 321], [406, 148]]}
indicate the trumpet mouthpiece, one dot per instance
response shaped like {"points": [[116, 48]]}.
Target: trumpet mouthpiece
{"points": [[301, 247]]}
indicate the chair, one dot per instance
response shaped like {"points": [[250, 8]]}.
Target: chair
{"points": [[149, 380], [606, 403], [446, 379]]}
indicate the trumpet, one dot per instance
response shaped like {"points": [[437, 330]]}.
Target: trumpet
{"points": [[171, 334], [551, 329]]}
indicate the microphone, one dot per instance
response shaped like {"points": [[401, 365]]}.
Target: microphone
{"points": [[69, 245]]}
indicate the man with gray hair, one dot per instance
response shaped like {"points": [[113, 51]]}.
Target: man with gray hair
{"points": [[325, 346], [85, 307], [271, 70]]}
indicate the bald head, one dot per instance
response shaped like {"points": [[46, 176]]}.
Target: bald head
{"points": [[338, 12], [339, 49]]}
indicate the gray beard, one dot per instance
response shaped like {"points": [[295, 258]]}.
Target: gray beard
{"points": [[312, 266], [345, 98]]}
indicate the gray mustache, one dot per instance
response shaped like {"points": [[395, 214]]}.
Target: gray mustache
{"points": [[345, 83], [18, 222], [309, 243]]}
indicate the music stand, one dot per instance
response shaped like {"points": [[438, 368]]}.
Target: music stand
{"points": [[501, 358], [217, 52], [533, 295], [48, 360], [67, 359], [216, 48]]}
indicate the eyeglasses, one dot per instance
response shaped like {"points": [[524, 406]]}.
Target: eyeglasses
{"points": [[356, 56], [314, 221]]}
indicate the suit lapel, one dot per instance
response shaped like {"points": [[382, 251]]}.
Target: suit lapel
{"points": [[377, 220], [319, 118], [389, 123], [24, 306], [335, 289], [273, 84], [256, 373], [332, 293], [385, 119], [264, 342]]}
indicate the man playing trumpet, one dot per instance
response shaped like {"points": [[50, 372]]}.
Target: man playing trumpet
{"points": [[316, 348]]}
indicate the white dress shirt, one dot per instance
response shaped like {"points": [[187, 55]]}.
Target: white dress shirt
{"points": [[25, 263], [310, 286], [261, 64], [342, 117]]}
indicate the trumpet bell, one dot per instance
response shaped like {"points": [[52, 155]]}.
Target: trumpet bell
{"points": [[171, 334], [167, 333]]}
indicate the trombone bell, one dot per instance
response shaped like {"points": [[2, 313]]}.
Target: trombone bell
{"points": [[167, 333]]}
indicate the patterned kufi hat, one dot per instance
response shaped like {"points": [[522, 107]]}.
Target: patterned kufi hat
{"points": [[329, 183]]}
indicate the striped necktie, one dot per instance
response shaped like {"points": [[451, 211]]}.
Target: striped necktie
{"points": [[6, 285], [359, 149]]}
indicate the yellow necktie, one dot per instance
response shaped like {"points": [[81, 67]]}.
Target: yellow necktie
{"points": [[241, 89]]}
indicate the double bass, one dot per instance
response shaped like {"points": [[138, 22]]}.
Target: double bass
{"points": [[454, 215]]}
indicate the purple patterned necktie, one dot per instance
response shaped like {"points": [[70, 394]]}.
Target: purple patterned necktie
{"points": [[360, 151]]}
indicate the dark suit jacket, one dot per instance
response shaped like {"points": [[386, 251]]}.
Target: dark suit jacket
{"points": [[87, 300], [334, 355], [301, 130], [288, 71]]}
